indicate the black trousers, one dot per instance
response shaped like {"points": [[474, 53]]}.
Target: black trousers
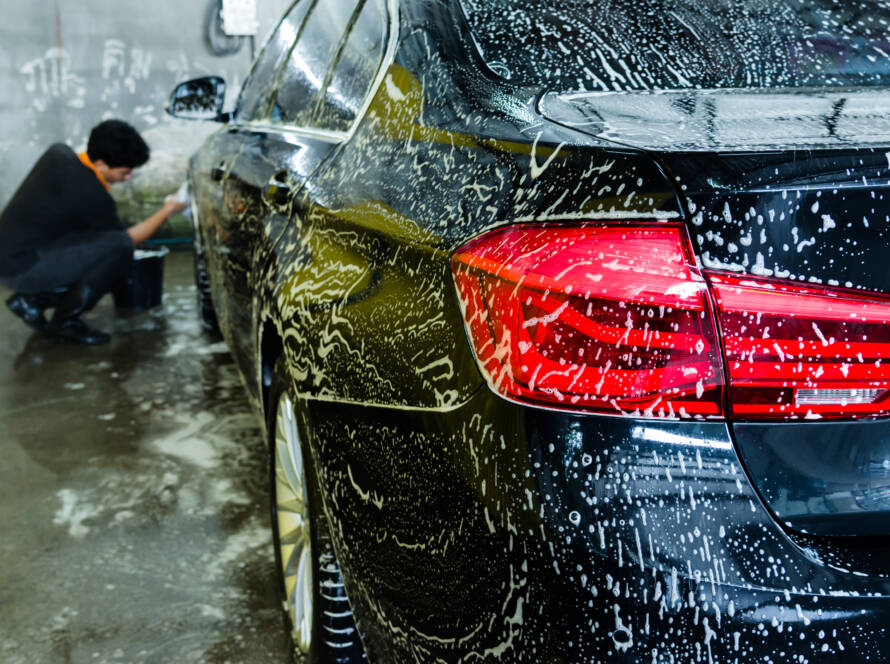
{"points": [[101, 260]]}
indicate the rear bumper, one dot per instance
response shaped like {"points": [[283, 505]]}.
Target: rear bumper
{"points": [[687, 563]]}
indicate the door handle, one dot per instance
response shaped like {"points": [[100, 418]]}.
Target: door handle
{"points": [[218, 171], [277, 190]]}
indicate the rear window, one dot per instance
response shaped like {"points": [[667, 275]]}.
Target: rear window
{"points": [[623, 45]]}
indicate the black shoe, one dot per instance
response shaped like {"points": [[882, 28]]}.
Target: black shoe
{"points": [[66, 325], [75, 331], [30, 309]]}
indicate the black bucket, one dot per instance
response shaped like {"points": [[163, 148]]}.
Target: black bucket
{"points": [[145, 285]]}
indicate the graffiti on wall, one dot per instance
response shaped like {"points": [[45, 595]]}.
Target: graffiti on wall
{"points": [[50, 76], [120, 77], [123, 66]]}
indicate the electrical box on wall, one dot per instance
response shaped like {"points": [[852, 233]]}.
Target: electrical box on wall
{"points": [[239, 17]]}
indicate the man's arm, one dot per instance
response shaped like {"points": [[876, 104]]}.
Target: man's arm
{"points": [[140, 232]]}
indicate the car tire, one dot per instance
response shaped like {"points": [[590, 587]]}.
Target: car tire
{"points": [[317, 614], [206, 312]]}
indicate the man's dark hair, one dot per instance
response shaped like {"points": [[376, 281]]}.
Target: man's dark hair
{"points": [[117, 144]]}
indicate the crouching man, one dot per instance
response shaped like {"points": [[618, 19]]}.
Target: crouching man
{"points": [[62, 244]]}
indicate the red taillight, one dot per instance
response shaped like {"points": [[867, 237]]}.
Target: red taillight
{"points": [[615, 318], [609, 318], [801, 351]]}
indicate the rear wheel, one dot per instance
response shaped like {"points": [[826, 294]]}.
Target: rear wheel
{"points": [[316, 609]]}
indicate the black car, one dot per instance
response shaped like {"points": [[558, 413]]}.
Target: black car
{"points": [[570, 323]]}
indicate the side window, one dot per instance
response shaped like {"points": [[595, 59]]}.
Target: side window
{"points": [[312, 55], [355, 66], [259, 86]]}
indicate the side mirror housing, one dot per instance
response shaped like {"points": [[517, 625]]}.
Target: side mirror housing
{"points": [[199, 99]]}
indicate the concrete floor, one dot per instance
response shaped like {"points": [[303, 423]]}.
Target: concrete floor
{"points": [[133, 496]]}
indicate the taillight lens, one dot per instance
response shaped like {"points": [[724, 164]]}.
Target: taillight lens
{"points": [[609, 318], [615, 318], [801, 351]]}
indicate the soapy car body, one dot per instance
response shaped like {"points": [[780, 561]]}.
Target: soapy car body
{"points": [[437, 265]]}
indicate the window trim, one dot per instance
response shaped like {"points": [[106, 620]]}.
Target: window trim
{"points": [[260, 53], [337, 137]]}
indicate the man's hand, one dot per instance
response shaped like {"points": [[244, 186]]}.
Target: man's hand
{"points": [[140, 232], [173, 206]]}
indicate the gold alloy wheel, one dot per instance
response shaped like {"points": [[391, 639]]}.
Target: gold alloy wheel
{"points": [[294, 533]]}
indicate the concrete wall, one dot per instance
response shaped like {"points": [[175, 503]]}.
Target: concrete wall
{"points": [[67, 64]]}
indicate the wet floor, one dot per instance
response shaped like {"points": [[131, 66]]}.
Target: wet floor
{"points": [[133, 495]]}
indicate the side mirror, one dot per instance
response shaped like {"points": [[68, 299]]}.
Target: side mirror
{"points": [[199, 99]]}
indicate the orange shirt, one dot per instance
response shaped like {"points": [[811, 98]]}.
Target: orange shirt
{"points": [[85, 160]]}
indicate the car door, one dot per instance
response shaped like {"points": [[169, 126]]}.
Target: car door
{"points": [[211, 168], [275, 144]]}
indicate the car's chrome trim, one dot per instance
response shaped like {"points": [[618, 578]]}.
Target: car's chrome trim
{"points": [[305, 132], [341, 136]]}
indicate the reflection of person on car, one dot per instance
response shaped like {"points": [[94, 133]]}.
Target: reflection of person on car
{"points": [[62, 244]]}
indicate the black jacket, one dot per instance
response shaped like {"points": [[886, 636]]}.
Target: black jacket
{"points": [[59, 196]]}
